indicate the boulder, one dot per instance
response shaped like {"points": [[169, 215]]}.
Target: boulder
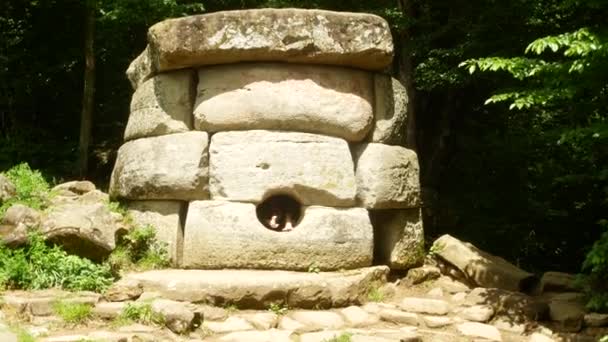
{"points": [[569, 316], [306, 98], [74, 188], [558, 281], [123, 290], [398, 237], [284, 35], [387, 176], [162, 105], [222, 234], [257, 289], [68, 197], [162, 168], [87, 230], [390, 111], [249, 166], [16, 222], [7, 189], [164, 217], [420, 274], [178, 317], [482, 268], [140, 69]]}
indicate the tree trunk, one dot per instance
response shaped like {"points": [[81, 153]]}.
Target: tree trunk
{"points": [[88, 98], [406, 75]]}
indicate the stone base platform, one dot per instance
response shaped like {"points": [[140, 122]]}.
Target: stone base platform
{"points": [[258, 289]]}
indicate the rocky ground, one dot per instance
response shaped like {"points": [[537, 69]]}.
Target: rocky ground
{"points": [[436, 308]]}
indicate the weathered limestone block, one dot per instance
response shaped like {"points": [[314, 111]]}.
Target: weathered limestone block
{"points": [[391, 111], [167, 167], [316, 99], [387, 176], [162, 105], [482, 268], [140, 69], [399, 237], [222, 234], [285, 35], [247, 166], [164, 216]]}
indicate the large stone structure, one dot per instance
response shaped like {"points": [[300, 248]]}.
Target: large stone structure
{"points": [[240, 115]]}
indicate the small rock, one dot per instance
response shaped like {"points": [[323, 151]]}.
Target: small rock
{"points": [[510, 325], [424, 305], [272, 335], [596, 320], [212, 313], [123, 290], [178, 317], [474, 329], [537, 337], [568, 315], [262, 320], [231, 324], [108, 310], [477, 313], [358, 317], [421, 274], [436, 321], [435, 293], [321, 319], [398, 316]]}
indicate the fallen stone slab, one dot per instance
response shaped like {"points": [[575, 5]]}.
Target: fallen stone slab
{"points": [[484, 269], [424, 305], [168, 167], [257, 289], [252, 165], [283, 35], [302, 98], [558, 282], [222, 234], [474, 329], [387, 176]]}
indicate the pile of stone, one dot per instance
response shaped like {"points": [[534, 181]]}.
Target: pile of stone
{"points": [[231, 109]]}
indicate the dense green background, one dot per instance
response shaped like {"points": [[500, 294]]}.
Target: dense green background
{"points": [[528, 183]]}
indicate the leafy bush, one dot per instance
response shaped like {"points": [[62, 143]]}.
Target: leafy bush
{"points": [[38, 266], [595, 267], [32, 188], [140, 250], [73, 313]]}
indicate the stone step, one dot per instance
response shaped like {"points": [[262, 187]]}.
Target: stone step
{"points": [[258, 289]]}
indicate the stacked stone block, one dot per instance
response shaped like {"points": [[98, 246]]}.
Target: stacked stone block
{"points": [[231, 108]]}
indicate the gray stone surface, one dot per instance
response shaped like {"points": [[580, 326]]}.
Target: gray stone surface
{"points": [[162, 105], [303, 98], [390, 111], [260, 288], [140, 69], [221, 234], [387, 176], [399, 317], [248, 166], [436, 321], [286, 35], [164, 216], [477, 313], [399, 237], [484, 269], [424, 305], [167, 167], [473, 329]]}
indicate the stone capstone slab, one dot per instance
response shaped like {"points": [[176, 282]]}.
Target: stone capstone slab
{"points": [[162, 105], [220, 234], [387, 176], [164, 217], [399, 237], [260, 288], [248, 166], [390, 111], [306, 98], [283, 35], [168, 167], [482, 268]]}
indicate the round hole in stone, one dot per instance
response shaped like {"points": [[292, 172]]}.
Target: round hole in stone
{"points": [[281, 213]]}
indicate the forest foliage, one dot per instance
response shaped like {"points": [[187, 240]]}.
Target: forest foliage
{"points": [[510, 102]]}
